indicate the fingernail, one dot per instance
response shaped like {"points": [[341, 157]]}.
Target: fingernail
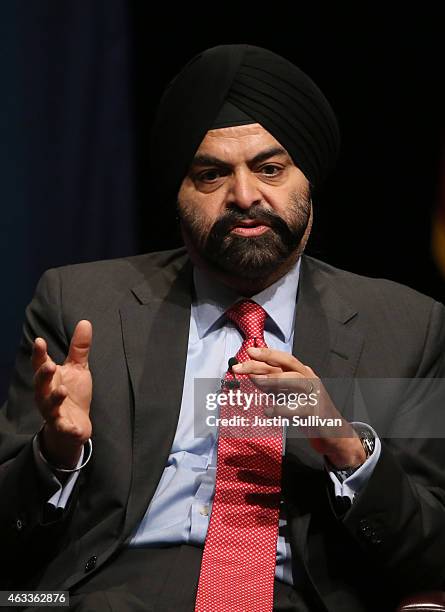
{"points": [[254, 350]]}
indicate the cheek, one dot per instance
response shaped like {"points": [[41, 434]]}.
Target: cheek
{"points": [[198, 211], [288, 202], [278, 200], [206, 205]]}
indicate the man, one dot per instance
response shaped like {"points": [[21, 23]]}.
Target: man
{"points": [[336, 519]]}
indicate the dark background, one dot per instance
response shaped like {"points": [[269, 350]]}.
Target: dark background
{"points": [[80, 82]]}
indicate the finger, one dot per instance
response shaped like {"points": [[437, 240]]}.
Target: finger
{"points": [[51, 406], [80, 343], [43, 379], [280, 379], [39, 353], [277, 358], [57, 396], [255, 367], [290, 382]]}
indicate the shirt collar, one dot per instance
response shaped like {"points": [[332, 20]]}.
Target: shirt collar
{"points": [[212, 299]]}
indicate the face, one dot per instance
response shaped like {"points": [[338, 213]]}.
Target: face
{"points": [[244, 205]]}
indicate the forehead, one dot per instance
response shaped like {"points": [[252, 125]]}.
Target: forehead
{"points": [[237, 141]]}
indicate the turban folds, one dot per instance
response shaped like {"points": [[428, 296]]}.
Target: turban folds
{"points": [[262, 86]]}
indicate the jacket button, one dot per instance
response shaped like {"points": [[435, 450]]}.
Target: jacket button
{"points": [[19, 524], [365, 526], [369, 533], [90, 564]]}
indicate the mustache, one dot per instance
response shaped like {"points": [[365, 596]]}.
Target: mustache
{"points": [[234, 217]]}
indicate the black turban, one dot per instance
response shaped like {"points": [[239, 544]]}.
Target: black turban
{"points": [[259, 86]]}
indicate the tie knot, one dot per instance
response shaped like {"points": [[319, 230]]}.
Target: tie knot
{"points": [[249, 317]]}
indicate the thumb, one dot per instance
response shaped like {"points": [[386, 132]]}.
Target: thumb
{"points": [[80, 343]]}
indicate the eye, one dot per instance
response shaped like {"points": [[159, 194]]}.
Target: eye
{"points": [[209, 176], [270, 170]]}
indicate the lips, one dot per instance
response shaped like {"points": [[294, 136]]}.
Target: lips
{"points": [[250, 228], [250, 223]]}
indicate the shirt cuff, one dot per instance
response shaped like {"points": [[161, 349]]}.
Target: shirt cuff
{"points": [[351, 486], [59, 493]]}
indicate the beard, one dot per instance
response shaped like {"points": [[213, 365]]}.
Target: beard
{"points": [[250, 257]]}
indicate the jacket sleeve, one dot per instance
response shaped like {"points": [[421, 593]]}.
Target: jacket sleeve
{"points": [[29, 527], [398, 518]]}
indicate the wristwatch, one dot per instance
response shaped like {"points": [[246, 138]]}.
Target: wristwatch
{"points": [[367, 438]]}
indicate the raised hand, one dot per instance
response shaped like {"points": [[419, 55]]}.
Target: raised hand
{"points": [[63, 395]]}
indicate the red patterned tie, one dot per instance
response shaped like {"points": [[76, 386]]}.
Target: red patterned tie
{"points": [[238, 565]]}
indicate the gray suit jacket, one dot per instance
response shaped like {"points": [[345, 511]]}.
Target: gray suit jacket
{"points": [[393, 536]]}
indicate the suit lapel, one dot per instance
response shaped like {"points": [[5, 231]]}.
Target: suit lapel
{"points": [[329, 339], [155, 334], [328, 336]]}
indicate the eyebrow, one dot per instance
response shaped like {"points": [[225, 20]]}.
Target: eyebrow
{"points": [[210, 160]]}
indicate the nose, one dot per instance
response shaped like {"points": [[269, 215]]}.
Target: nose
{"points": [[243, 191]]}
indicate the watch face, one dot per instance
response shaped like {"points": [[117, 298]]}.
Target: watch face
{"points": [[368, 445]]}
